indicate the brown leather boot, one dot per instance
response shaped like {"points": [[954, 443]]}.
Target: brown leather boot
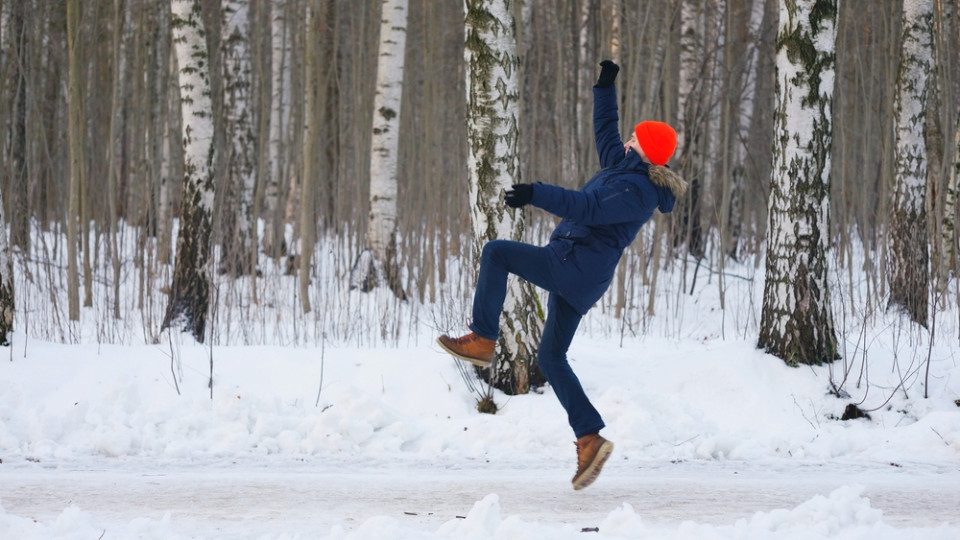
{"points": [[592, 451], [470, 348]]}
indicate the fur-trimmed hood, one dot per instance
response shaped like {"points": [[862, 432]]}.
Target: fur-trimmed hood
{"points": [[669, 185], [664, 177]]}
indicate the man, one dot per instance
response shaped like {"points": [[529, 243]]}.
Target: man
{"points": [[576, 267]]}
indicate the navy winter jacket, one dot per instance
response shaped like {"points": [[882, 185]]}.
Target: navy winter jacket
{"points": [[604, 216]]}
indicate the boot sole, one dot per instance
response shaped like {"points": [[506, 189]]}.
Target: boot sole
{"points": [[475, 361], [593, 470]]}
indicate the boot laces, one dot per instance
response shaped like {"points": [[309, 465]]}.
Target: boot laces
{"points": [[580, 455], [469, 338]]}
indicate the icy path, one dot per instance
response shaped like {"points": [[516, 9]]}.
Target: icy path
{"points": [[313, 500]]}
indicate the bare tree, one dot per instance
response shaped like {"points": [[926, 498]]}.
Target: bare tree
{"points": [[311, 135], [6, 282], [797, 322], [114, 151], [190, 291], [947, 182], [949, 251], [379, 259], [494, 163], [17, 44], [6, 260], [75, 132]]}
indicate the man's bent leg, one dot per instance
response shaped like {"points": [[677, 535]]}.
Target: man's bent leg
{"points": [[499, 259]]}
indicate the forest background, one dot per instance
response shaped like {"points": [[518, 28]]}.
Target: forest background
{"points": [[128, 189]]}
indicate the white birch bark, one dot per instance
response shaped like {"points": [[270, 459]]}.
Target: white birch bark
{"points": [[690, 15], [690, 125], [6, 282], [586, 70], [494, 164], [797, 321], [713, 33], [384, 147], [615, 26], [908, 240], [279, 122], [189, 297], [237, 85]]}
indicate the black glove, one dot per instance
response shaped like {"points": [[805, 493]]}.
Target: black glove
{"points": [[608, 74], [520, 195]]}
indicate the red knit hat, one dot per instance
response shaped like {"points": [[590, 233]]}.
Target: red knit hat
{"points": [[658, 141]]}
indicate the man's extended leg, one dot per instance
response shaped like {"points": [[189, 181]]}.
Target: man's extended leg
{"points": [[592, 449], [558, 330]]}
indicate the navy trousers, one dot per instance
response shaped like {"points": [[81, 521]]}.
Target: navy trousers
{"points": [[503, 257]]}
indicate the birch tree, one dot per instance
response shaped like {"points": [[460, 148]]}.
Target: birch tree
{"points": [[908, 238], [690, 127], [275, 90], [379, 259], [241, 252], [797, 321], [494, 165], [190, 290]]}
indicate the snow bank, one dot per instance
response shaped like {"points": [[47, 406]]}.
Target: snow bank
{"points": [[661, 400], [664, 401]]}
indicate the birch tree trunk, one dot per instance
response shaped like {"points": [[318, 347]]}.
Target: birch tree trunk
{"points": [[190, 290], [6, 281], [278, 85], [908, 239], [797, 321], [384, 146], [494, 164], [240, 250], [690, 127]]}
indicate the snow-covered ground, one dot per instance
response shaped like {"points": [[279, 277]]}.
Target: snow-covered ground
{"points": [[714, 439]]}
